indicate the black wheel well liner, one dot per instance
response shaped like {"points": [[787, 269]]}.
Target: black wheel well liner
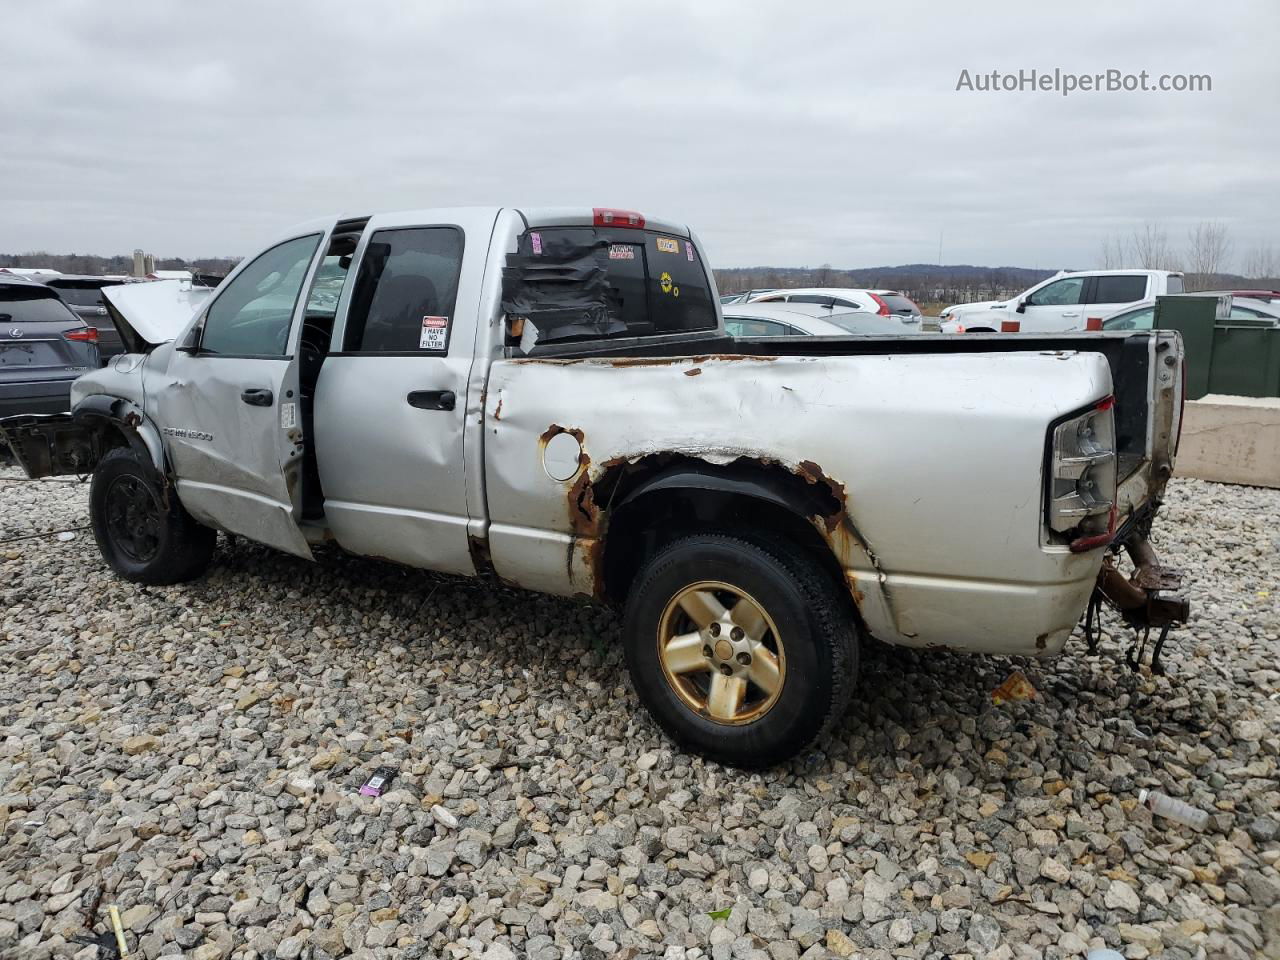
{"points": [[657, 500]]}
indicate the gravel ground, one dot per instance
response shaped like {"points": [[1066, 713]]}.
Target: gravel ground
{"points": [[193, 755]]}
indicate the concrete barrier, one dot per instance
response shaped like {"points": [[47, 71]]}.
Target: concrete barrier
{"points": [[1231, 440]]}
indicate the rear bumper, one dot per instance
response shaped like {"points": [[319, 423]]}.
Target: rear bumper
{"points": [[35, 396]]}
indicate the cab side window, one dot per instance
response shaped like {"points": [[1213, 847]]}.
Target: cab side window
{"points": [[250, 317], [405, 292]]}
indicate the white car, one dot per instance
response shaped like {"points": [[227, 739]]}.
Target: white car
{"points": [[1063, 302], [884, 302], [810, 320], [1142, 316]]}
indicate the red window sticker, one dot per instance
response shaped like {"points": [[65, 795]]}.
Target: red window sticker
{"points": [[536, 240], [435, 334], [688, 249], [622, 251]]}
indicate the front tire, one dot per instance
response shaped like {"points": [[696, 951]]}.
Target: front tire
{"points": [[141, 538], [745, 653]]}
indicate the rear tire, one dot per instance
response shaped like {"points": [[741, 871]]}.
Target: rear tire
{"points": [[141, 538], [783, 648]]}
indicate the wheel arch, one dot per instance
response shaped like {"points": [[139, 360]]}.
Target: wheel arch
{"points": [[127, 420], [654, 502]]}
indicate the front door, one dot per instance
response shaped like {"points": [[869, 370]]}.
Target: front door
{"points": [[1054, 307], [228, 407], [390, 404]]}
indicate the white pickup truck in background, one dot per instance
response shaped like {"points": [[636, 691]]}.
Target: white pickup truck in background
{"points": [[1063, 302], [547, 397]]}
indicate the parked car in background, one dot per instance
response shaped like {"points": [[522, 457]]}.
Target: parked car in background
{"points": [[1063, 302], [83, 294], [745, 295], [1266, 296], [1142, 316], [884, 302], [811, 320], [44, 346]]}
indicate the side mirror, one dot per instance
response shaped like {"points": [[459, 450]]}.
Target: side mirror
{"points": [[1022, 307], [191, 342]]}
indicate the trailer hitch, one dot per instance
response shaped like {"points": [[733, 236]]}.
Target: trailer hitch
{"points": [[1145, 600]]}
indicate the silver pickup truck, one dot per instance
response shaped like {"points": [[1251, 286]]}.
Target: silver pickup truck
{"points": [[548, 397]]}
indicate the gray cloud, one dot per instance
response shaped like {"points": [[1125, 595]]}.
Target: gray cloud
{"points": [[786, 133]]}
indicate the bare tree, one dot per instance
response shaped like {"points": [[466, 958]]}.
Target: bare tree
{"points": [[1151, 248], [1113, 255], [1208, 247], [1261, 263]]}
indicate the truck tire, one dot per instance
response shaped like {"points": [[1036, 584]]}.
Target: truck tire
{"points": [[141, 538], [743, 652]]}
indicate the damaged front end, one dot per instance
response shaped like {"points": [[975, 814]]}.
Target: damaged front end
{"points": [[1148, 598]]}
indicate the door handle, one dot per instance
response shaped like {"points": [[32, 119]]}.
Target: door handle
{"points": [[433, 399], [257, 397], [1076, 314]]}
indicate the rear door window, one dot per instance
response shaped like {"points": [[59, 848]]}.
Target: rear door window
{"points": [[591, 283], [1118, 288], [755, 327], [1175, 285], [405, 292]]}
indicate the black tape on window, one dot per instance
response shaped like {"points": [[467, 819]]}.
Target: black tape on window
{"points": [[563, 291]]}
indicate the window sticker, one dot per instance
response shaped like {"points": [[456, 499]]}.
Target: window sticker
{"points": [[622, 251], [435, 334], [688, 249], [536, 240], [667, 245], [665, 284]]}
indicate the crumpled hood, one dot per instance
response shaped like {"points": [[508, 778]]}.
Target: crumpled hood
{"points": [[152, 313]]}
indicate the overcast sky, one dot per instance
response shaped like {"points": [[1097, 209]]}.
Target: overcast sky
{"points": [[786, 133]]}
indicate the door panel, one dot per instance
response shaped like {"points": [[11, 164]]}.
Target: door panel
{"points": [[389, 437], [229, 421], [392, 472], [1055, 307], [226, 452]]}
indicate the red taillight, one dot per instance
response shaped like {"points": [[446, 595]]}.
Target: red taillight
{"points": [[884, 307], [1084, 544], [609, 217], [88, 335], [1106, 403]]}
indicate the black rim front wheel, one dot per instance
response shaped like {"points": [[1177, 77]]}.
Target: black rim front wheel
{"points": [[133, 518]]}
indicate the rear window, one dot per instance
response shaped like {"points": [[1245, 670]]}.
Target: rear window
{"points": [[1175, 285], [80, 295], [36, 305], [597, 282], [899, 304], [1119, 289]]}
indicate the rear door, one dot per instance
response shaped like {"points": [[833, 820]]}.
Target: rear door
{"points": [[228, 408], [390, 402], [1110, 292]]}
